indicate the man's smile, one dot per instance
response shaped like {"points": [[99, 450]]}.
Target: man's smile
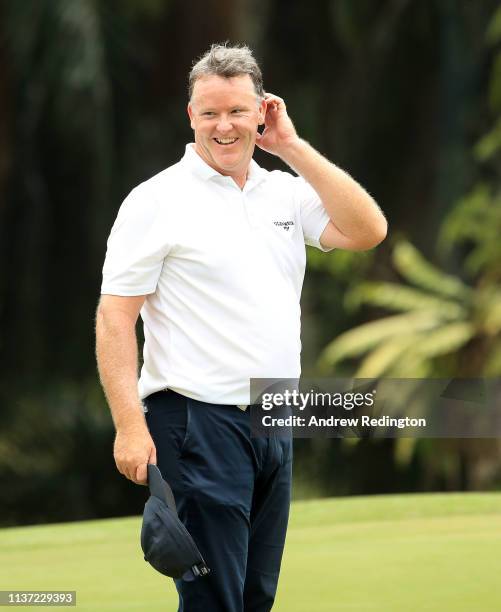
{"points": [[225, 141]]}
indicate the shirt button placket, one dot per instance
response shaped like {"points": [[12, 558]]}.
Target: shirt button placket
{"points": [[250, 214]]}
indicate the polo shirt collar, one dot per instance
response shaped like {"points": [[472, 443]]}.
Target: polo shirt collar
{"points": [[201, 169]]}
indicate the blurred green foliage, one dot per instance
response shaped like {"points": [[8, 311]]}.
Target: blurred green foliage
{"points": [[440, 317]]}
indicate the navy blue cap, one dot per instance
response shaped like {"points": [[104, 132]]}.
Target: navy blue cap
{"points": [[166, 543]]}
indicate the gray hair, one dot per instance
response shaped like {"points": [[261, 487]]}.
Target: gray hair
{"points": [[227, 62]]}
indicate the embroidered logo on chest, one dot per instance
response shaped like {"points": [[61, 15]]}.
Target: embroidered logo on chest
{"points": [[286, 225]]}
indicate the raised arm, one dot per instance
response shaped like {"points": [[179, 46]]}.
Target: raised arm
{"points": [[356, 222], [116, 352]]}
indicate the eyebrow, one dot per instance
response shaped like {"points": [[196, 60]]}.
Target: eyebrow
{"points": [[235, 106]]}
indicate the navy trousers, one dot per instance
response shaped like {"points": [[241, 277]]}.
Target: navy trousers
{"points": [[233, 494]]}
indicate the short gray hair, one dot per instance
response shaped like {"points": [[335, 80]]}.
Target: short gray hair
{"points": [[227, 62]]}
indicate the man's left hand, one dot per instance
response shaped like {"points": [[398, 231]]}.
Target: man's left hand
{"points": [[279, 131]]}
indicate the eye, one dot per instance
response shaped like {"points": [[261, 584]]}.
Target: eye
{"points": [[208, 114], [237, 110]]}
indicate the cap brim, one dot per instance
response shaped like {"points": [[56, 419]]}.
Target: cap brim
{"points": [[159, 488]]}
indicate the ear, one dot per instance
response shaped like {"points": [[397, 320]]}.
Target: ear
{"points": [[191, 115], [262, 111]]}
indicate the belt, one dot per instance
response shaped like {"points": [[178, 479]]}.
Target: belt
{"points": [[242, 407]]}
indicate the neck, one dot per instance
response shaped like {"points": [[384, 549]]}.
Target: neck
{"points": [[240, 180]]}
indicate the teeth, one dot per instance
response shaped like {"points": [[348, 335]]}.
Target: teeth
{"points": [[225, 140]]}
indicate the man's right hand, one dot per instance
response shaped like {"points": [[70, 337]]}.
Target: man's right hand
{"points": [[116, 351], [133, 450]]}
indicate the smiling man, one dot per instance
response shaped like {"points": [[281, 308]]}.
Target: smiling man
{"points": [[211, 253]]}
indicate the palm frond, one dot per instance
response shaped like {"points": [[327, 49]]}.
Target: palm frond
{"points": [[411, 366], [398, 297], [404, 450], [490, 310], [444, 340], [489, 144], [377, 363], [415, 269], [494, 30], [476, 223], [359, 340]]}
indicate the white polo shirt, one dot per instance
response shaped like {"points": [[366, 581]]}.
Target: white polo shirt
{"points": [[222, 269]]}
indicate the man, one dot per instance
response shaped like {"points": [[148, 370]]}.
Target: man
{"points": [[211, 251]]}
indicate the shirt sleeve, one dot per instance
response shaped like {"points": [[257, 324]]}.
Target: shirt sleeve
{"points": [[314, 218], [137, 246]]}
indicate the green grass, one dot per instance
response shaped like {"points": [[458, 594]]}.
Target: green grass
{"points": [[387, 553]]}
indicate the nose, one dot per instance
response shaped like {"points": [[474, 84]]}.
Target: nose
{"points": [[224, 124]]}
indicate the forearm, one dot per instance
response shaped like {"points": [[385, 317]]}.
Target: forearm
{"points": [[116, 351], [349, 206]]}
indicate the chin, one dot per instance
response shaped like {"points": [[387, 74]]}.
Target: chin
{"points": [[228, 166]]}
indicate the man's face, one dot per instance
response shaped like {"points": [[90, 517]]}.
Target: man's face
{"points": [[225, 114]]}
